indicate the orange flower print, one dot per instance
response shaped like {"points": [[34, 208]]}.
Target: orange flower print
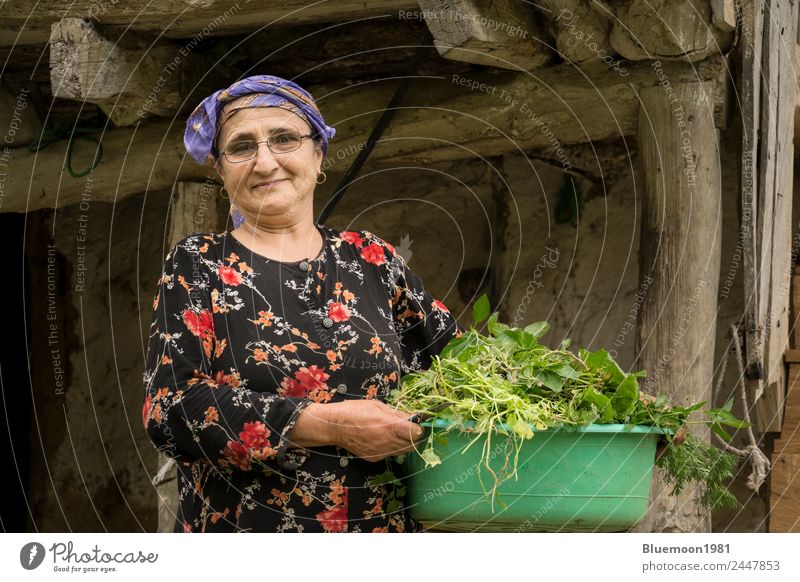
{"points": [[376, 345], [338, 312], [264, 319], [440, 306], [211, 415], [352, 237], [260, 355], [230, 276], [373, 254], [148, 403]]}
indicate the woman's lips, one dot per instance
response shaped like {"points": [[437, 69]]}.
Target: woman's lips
{"points": [[267, 185]]}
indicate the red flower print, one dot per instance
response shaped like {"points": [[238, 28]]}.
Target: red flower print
{"points": [[237, 455], [200, 324], [312, 378], [373, 254], [338, 312], [307, 382], [440, 306], [230, 276], [146, 410], [255, 435], [352, 237], [335, 520]]}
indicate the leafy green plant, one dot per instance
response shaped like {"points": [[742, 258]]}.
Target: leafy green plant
{"points": [[506, 381]]}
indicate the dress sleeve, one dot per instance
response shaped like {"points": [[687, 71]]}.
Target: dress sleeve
{"points": [[188, 412], [424, 324]]}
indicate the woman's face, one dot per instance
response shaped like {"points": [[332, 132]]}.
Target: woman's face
{"points": [[292, 176]]}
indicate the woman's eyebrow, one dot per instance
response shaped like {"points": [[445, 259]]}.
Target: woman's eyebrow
{"points": [[249, 134]]}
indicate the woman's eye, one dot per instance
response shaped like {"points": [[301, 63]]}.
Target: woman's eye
{"points": [[286, 138], [244, 147]]}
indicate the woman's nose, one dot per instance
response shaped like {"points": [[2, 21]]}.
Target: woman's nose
{"points": [[265, 160]]}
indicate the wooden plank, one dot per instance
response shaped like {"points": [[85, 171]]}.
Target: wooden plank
{"points": [[496, 33], [794, 330], [789, 441], [776, 165], [560, 105], [784, 498], [680, 252], [25, 22], [750, 91]]}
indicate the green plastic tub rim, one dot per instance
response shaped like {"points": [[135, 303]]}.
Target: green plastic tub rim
{"points": [[598, 428]]}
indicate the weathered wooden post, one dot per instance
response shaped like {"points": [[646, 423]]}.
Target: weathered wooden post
{"points": [[680, 252], [194, 208]]}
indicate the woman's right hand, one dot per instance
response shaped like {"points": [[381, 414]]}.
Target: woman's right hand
{"points": [[373, 430]]}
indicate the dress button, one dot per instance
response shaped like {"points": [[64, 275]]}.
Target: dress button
{"points": [[342, 388], [327, 322], [304, 266], [344, 461]]}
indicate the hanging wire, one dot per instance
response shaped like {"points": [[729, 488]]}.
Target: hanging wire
{"points": [[424, 45]]}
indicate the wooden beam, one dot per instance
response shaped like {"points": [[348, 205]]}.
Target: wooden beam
{"points": [[129, 78], [680, 252], [669, 29], [776, 183], [582, 31], [451, 118], [499, 33], [723, 14], [25, 22]]}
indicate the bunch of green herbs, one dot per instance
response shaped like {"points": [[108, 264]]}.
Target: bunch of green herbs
{"points": [[508, 383]]}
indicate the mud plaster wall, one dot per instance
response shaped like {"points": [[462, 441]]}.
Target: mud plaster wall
{"points": [[581, 277], [91, 456]]}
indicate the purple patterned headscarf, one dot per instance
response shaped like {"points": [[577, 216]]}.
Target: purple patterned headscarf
{"points": [[203, 124]]}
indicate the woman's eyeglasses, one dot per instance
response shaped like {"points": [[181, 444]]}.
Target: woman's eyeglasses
{"points": [[281, 143]]}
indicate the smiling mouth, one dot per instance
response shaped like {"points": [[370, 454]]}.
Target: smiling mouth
{"points": [[265, 185]]}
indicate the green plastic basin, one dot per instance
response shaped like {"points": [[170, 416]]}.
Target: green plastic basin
{"points": [[595, 478]]}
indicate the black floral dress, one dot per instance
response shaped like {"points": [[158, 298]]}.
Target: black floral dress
{"points": [[240, 344]]}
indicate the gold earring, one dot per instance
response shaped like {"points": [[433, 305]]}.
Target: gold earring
{"points": [[223, 196], [324, 177]]}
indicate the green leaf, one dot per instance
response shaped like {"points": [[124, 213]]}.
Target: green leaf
{"points": [[602, 361], [625, 396], [430, 457], [538, 329], [551, 381], [481, 309], [513, 339], [567, 371], [719, 431], [493, 326], [602, 402]]}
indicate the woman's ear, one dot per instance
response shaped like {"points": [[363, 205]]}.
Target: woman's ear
{"points": [[217, 165]]}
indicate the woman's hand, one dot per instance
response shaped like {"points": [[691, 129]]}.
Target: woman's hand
{"points": [[373, 430]]}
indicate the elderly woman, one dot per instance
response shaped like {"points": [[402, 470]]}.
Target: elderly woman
{"points": [[274, 345]]}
